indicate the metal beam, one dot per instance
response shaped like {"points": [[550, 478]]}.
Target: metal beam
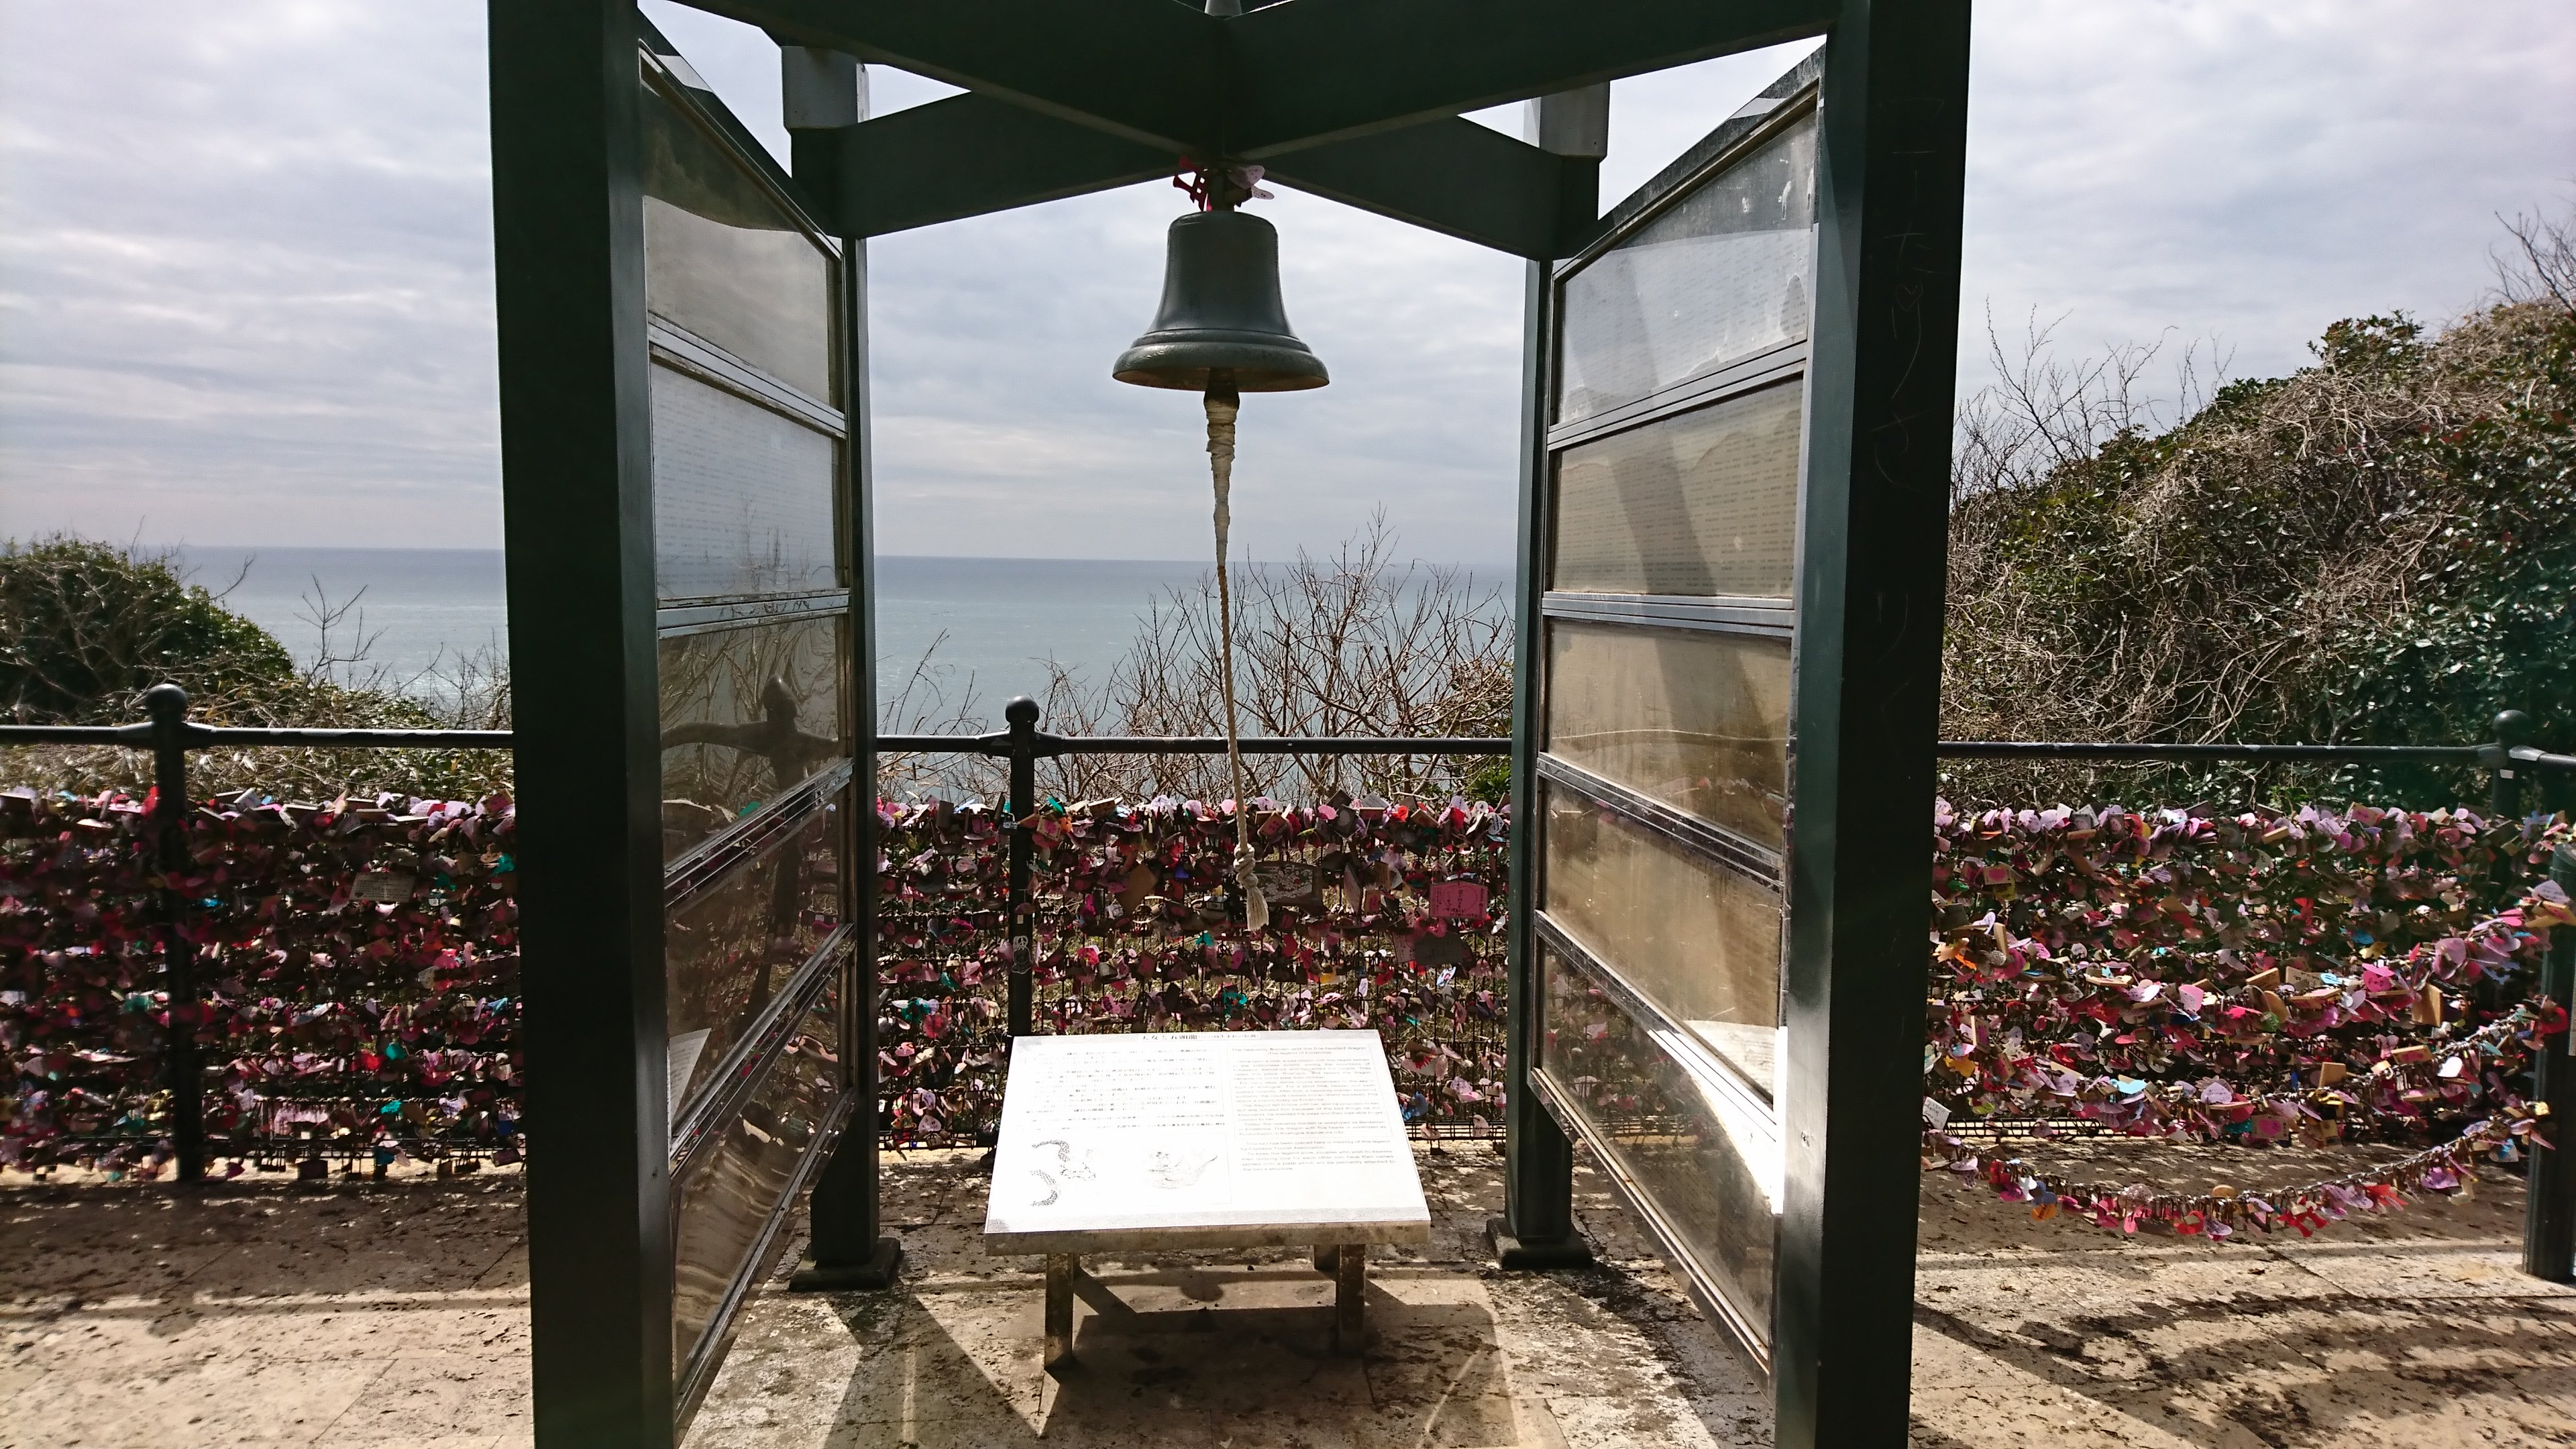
{"points": [[972, 154], [1150, 71], [577, 509], [1323, 70], [848, 1249], [1456, 177], [1278, 78], [1865, 696], [965, 156]]}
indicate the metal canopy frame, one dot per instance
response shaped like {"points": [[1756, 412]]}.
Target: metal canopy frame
{"points": [[1359, 101]]}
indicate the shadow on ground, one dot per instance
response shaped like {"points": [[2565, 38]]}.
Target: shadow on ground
{"points": [[1225, 1348], [2415, 1329], [264, 1312], [378, 1314]]}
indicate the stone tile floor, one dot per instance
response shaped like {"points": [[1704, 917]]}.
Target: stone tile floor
{"points": [[258, 1312]]}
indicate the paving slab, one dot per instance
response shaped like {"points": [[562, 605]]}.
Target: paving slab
{"points": [[262, 1311]]}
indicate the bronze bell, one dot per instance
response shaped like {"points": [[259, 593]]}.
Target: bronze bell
{"points": [[1221, 313]]}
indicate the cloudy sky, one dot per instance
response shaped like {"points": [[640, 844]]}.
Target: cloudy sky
{"points": [[245, 267]]}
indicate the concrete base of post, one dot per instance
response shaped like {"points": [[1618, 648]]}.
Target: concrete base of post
{"points": [[1516, 1253], [878, 1271]]}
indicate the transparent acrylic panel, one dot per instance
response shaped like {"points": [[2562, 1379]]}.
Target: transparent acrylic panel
{"points": [[1704, 503], [722, 260], [1695, 719], [1720, 275], [742, 497], [1706, 1155], [731, 949], [747, 712], [1700, 941], [718, 1210]]}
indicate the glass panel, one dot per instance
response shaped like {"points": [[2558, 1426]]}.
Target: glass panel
{"points": [[1701, 941], [1720, 275], [1705, 1153], [723, 260], [748, 712], [1705, 503], [742, 498], [717, 1212], [727, 953], [745, 713], [1697, 720]]}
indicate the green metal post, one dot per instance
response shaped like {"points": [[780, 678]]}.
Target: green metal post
{"points": [[1537, 1228], [847, 1248], [576, 455], [1866, 699]]}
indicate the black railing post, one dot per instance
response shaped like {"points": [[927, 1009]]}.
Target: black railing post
{"points": [[1022, 715], [2549, 1210], [2504, 783], [168, 706]]}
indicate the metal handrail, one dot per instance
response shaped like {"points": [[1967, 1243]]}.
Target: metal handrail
{"points": [[2091, 750], [997, 744], [194, 736], [1048, 746], [2486, 756]]}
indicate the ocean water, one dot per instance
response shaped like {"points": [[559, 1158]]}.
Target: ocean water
{"points": [[415, 610], [975, 631], [989, 625], [985, 627]]}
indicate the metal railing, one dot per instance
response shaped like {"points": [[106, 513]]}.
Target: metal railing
{"points": [[169, 734], [1023, 744], [2549, 1211], [2509, 757]]}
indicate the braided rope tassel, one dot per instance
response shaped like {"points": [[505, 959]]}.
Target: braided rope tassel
{"points": [[1221, 410]]}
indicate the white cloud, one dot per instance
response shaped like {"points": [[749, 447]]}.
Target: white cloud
{"points": [[245, 275], [2254, 172]]}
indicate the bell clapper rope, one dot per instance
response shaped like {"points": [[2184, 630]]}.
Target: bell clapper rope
{"points": [[1222, 405]]}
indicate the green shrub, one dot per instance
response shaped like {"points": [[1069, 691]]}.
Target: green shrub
{"points": [[85, 627], [2376, 550]]}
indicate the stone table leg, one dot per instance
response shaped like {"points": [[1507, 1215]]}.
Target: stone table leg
{"points": [[1350, 1295], [1060, 1268]]}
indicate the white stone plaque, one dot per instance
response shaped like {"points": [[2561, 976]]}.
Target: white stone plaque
{"points": [[1207, 1139]]}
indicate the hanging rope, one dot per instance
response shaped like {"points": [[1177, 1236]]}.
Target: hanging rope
{"points": [[1221, 410]]}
